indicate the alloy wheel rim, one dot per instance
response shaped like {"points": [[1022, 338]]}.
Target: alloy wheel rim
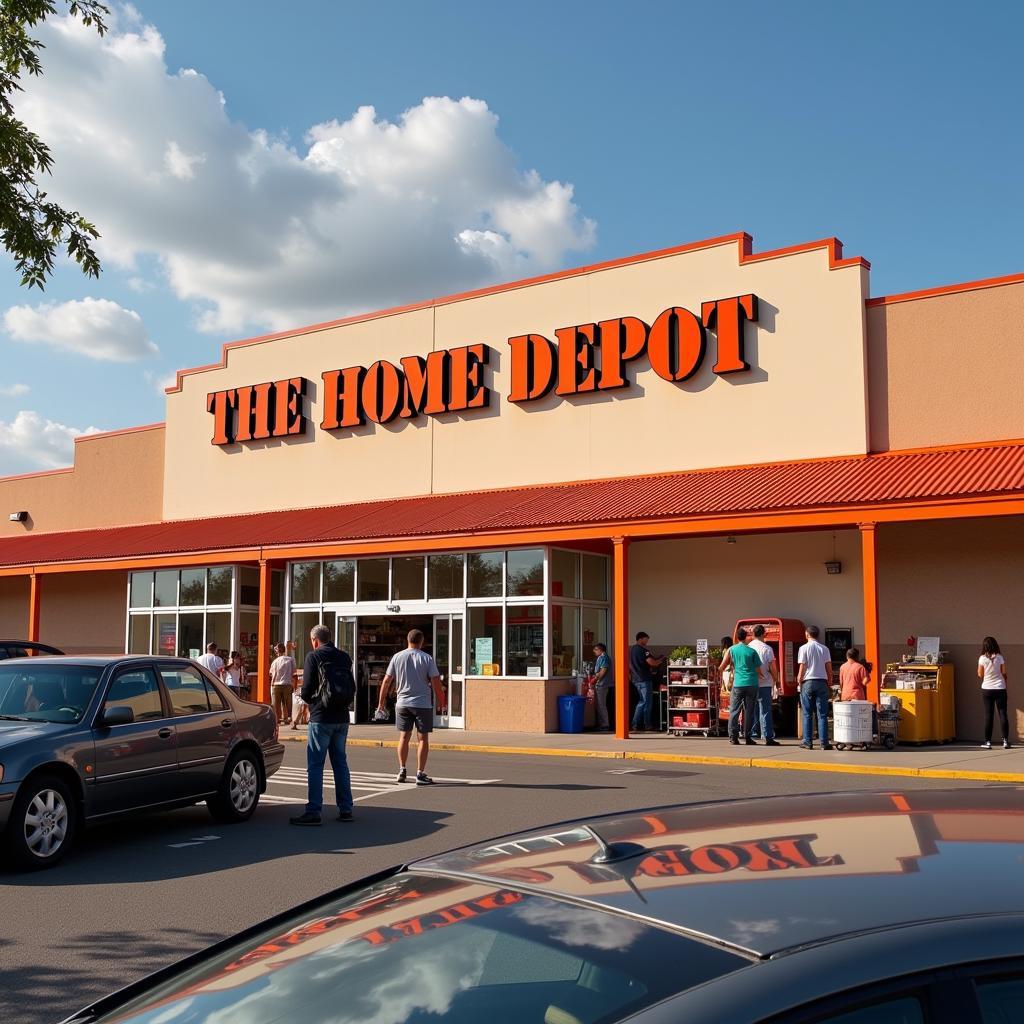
{"points": [[244, 785], [46, 823]]}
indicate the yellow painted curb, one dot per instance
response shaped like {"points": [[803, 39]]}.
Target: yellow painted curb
{"points": [[702, 759]]}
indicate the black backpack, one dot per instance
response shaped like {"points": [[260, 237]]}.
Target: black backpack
{"points": [[337, 686]]}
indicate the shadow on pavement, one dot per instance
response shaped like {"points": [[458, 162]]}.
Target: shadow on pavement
{"points": [[186, 843], [89, 967]]}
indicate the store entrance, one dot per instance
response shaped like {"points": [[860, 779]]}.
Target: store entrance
{"points": [[372, 641]]}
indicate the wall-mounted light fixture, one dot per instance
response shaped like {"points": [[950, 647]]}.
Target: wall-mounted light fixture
{"points": [[730, 539], [18, 517]]}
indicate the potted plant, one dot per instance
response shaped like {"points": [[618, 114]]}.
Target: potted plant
{"points": [[680, 655]]}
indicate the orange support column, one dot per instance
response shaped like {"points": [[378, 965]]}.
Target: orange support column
{"points": [[34, 607], [263, 638], [620, 633], [869, 559]]}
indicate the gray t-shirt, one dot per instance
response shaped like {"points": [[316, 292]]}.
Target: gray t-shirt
{"points": [[412, 670]]}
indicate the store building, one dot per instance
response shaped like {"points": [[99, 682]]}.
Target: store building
{"points": [[671, 442]]}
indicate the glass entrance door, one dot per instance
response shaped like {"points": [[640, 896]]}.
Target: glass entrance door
{"points": [[345, 640], [448, 653]]}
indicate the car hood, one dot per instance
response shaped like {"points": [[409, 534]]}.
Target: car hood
{"points": [[12, 733], [772, 874]]}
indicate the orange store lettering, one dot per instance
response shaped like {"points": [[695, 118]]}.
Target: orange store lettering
{"points": [[592, 357]]}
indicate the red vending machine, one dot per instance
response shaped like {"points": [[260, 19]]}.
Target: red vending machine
{"points": [[784, 637]]}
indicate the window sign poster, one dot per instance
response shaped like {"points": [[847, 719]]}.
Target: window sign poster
{"points": [[483, 650], [193, 653], [168, 638]]}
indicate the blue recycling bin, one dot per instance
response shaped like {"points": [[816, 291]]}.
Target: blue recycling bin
{"points": [[570, 713]]}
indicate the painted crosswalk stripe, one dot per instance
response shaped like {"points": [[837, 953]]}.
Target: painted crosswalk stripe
{"points": [[365, 785]]}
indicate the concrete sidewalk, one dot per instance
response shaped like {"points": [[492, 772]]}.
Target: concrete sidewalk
{"points": [[948, 761]]}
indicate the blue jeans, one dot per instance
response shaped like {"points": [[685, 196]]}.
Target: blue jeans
{"points": [[765, 728], [642, 714], [742, 698], [814, 697], [327, 739]]}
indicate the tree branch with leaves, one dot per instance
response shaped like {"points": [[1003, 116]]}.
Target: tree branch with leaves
{"points": [[33, 228]]}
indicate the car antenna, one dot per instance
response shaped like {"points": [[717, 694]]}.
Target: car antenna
{"points": [[608, 854]]}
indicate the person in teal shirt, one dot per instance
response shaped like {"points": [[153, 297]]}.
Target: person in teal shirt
{"points": [[745, 662]]}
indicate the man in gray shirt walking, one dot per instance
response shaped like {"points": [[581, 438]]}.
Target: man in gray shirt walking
{"points": [[419, 683]]}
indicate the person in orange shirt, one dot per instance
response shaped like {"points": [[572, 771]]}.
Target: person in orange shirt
{"points": [[853, 677]]}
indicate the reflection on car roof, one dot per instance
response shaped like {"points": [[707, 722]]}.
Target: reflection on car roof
{"points": [[772, 874]]}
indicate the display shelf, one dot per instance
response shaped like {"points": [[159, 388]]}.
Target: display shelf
{"points": [[692, 700]]}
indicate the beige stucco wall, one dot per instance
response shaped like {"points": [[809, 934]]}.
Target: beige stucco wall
{"points": [[84, 612], [116, 480], [804, 396], [682, 590], [960, 581], [14, 607], [947, 369]]}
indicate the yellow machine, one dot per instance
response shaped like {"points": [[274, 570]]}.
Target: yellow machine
{"points": [[926, 694]]}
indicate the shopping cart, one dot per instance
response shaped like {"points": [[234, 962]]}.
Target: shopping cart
{"points": [[888, 727]]}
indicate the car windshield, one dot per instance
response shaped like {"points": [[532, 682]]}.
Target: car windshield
{"points": [[418, 949], [47, 691]]}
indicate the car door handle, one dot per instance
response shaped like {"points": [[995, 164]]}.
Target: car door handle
{"points": [[227, 723], [165, 734]]}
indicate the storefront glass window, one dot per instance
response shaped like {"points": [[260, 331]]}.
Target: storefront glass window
{"points": [[138, 634], [276, 587], [373, 579], [525, 627], [165, 635], [302, 623], [526, 572], [407, 579], [564, 571], [248, 585], [193, 587], [565, 629], [142, 591], [485, 638], [595, 630], [248, 640], [218, 584], [595, 578], [218, 630], [305, 583], [165, 593], [444, 577], [485, 573], [190, 635], [340, 580]]}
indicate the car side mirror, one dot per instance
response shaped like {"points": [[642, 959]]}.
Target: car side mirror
{"points": [[119, 714]]}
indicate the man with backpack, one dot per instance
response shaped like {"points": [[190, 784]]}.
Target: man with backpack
{"points": [[328, 687]]}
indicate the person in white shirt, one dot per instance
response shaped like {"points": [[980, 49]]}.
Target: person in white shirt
{"points": [[211, 662], [235, 675], [767, 688], [282, 678], [992, 673], [814, 678]]}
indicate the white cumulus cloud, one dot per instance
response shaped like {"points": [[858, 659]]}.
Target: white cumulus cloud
{"points": [[97, 328], [259, 233], [14, 390], [30, 441]]}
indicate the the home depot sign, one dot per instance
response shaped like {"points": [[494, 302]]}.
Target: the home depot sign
{"points": [[585, 358]]}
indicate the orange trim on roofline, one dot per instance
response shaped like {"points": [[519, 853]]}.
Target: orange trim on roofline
{"points": [[122, 430], [745, 242], [948, 289]]}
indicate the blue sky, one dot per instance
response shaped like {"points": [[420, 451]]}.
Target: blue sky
{"points": [[893, 126]]}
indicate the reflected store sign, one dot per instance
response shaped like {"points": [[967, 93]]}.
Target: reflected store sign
{"points": [[582, 359]]}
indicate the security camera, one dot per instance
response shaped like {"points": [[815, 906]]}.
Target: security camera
{"points": [[18, 517]]}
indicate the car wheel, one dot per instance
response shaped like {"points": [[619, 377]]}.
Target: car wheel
{"points": [[239, 791], [42, 823]]}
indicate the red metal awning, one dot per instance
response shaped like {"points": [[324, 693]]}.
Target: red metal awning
{"points": [[924, 476]]}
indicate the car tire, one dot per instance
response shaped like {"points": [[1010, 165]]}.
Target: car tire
{"points": [[239, 792], [42, 825]]}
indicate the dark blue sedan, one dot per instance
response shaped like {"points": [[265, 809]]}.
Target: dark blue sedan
{"points": [[871, 908], [85, 739]]}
